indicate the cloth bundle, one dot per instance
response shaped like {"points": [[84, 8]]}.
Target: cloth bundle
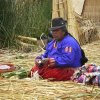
{"points": [[87, 74]]}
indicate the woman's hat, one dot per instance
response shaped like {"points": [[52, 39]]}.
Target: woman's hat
{"points": [[58, 23]]}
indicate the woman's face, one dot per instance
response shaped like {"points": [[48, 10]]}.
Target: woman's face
{"points": [[58, 34]]}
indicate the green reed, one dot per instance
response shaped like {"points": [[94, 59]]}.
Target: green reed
{"points": [[23, 17]]}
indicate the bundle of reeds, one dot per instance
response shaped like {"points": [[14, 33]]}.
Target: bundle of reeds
{"points": [[88, 31]]}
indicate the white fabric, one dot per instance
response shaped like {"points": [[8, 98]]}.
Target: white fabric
{"points": [[4, 67], [35, 76], [78, 6]]}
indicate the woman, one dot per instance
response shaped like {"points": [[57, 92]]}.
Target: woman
{"points": [[62, 56]]}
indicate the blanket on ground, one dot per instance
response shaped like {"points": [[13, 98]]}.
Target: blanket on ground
{"points": [[88, 74]]}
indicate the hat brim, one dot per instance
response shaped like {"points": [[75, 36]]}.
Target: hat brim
{"points": [[55, 28]]}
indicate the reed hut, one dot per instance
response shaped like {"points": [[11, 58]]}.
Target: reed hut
{"points": [[83, 18]]}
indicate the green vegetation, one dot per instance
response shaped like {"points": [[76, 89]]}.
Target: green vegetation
{"points": [[23, 17], [7, 17]]}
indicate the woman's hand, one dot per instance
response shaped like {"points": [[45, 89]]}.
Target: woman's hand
{"points": [[41, 62], [51, 62]]}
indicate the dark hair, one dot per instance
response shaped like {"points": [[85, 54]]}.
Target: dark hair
{"points": [[64, 29]]}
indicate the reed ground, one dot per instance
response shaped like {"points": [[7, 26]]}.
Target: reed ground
{"points": [[22, 89]]}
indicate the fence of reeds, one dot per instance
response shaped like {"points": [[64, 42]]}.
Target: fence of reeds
{"points": [[23, 17]]}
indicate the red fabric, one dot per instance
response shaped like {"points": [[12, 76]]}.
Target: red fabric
{"points": [[55, 73]]}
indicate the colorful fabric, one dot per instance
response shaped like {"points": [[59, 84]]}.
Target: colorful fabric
{"points": [[88, 74], [66, 52], [53, 73]]}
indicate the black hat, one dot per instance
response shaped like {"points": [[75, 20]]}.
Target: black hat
{"points": [[58, 23]]}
